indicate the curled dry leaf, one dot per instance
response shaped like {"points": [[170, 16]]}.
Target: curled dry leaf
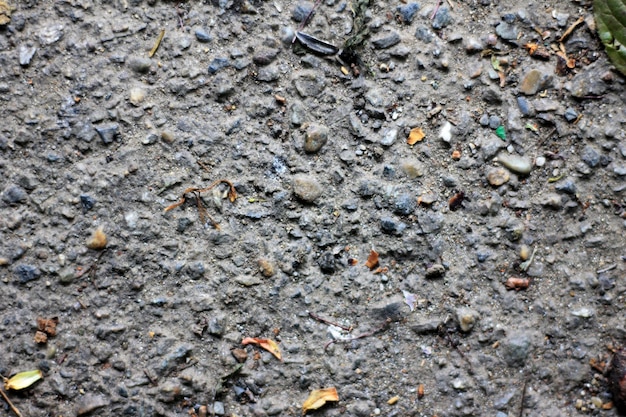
{"points": [[318, 398], [23, 380], [267, 344], [416, 135], [372, 260]]}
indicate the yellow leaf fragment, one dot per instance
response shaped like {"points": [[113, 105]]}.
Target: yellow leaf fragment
{"points": [[23, 380], [416, 135], [318, 398], [267, 344]]}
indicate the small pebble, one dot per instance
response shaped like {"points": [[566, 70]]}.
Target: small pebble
{"points": [[515, 163], [140, 65], [386, 40], [442, 18], [26, 273], [107, 132], [389, 137], [408, 11], [202, 35], [524, 252], [535, 81], [14, 194], [26, 53], [498, 176], [306, 188], [302, 10], [467, 318], [446, 132], [137, 95], [315, 138]]}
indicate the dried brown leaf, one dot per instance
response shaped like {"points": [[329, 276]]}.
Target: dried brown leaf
{"points": [[318, 398]]}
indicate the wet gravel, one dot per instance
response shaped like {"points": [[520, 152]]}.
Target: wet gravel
{"points": [[521, 174]]}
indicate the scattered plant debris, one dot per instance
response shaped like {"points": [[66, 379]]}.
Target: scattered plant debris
{"points": [[267, 344], [416, 135], [372, 260], [157, 43], [232, 196], [318, 398], [45, 328]]}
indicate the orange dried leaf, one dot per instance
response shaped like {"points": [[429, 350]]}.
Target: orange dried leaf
{"points": [[372, 260], [416, 135], [267, 344], [318, 398]]}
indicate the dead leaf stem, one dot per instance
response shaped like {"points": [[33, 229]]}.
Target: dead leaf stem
{"points": [[6, 398]]}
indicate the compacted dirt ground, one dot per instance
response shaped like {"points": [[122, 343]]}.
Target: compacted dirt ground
{"points": [[476, 146]]}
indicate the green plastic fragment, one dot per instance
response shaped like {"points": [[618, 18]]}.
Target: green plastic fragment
{"points": [[501, 133]]}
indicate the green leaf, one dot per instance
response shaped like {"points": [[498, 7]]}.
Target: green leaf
{"points": [[611, 21]]}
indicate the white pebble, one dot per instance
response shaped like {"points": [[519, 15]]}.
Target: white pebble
{"points": [[446, 132]]}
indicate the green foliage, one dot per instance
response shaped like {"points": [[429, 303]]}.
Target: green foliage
{"points": [[611, 21]]}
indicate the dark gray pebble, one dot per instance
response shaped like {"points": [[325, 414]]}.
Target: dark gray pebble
{"points": [[87, 202], [507, 31], [107, 132], [140, 65], [494, 122], [218, 64], [408, 12], [327, 263], [390, 226], [442, 18], [386, 40], [405, 204], [203, 36], [301, 11], [14, 194], [26, 273], [516, 347], [566, 186], [525, 107], [570, 114], [590, 156], [424, 34], [265, 56]]}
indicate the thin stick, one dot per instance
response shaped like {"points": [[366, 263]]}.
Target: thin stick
{"points": [[607, 269], [432, 16], [359, 336], [6, 398], [571, 28], [521, 406], [157, 43], [323, 320]]}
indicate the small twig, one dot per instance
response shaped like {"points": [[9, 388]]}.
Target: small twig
{"points": [[323, 320], [432, 16], [6, 398], [521, 406], [571, 28], [94, 266], [451, 4], [607, 269], [359, 336], [151, 379]]}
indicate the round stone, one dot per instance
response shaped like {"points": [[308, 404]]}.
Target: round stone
{"points": [[316, 137], [498, 176]]}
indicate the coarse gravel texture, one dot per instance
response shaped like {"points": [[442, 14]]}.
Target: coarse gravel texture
{"points": [[521, 174]]}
